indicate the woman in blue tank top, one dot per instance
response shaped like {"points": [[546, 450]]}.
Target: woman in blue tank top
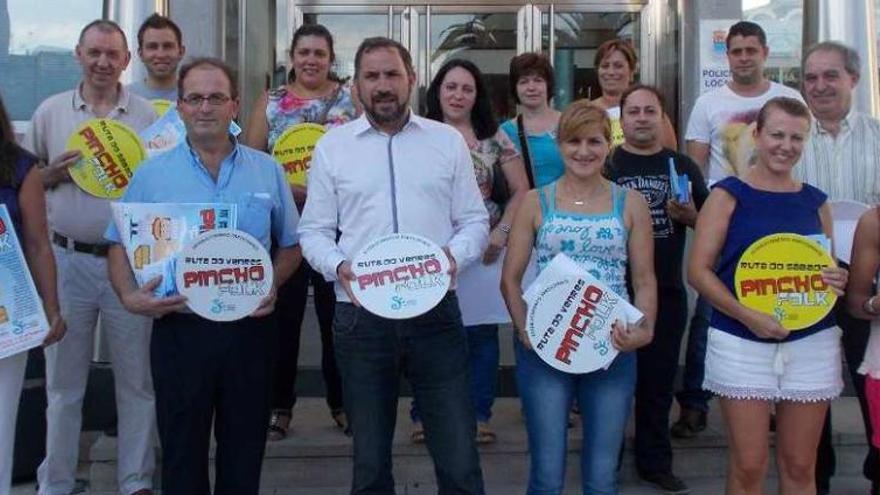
{"points": [[604, 229], [21, 192], [753, 362]]}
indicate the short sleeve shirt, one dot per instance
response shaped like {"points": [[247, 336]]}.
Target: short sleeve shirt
{"points": [[71, 211], [724, 120]]}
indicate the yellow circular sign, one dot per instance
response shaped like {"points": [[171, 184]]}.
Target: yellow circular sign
{"points": [[161, 106], [781, 275], [111, 153], [293, 150]]}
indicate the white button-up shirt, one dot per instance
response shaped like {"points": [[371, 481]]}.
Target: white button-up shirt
{"points": [[845, 167], [366, 184]]}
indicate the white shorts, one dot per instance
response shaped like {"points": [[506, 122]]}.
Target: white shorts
{"points": [[804, 370]]}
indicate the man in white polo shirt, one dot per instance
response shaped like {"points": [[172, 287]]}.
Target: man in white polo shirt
{"points": [[77, 221], [391, 171]]}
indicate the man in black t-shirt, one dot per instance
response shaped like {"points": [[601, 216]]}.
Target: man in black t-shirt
{"points": [[641, 163]]}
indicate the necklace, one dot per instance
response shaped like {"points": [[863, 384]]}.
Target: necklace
{"points": [[583, 200]]}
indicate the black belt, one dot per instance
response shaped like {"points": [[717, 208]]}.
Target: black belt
{"points": [[80, 247]]}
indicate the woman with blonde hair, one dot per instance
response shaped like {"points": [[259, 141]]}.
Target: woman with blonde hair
{"points": [[606, 230]]}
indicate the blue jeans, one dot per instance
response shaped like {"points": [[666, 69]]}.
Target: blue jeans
{"points": [[692, 395], [431, 352], [605, 398], [483, 354]]}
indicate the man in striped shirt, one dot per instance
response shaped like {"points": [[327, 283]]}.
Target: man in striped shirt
{"points": [[842, 158]]}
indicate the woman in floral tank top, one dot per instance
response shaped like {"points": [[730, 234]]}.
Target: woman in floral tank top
{"points": [[458, 96], [313, 95], [605, 229]]}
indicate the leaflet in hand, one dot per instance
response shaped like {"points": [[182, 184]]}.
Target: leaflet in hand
{"points": [[154, 233], [169, 131], [680, 184], [23, 324], [569, 317]]}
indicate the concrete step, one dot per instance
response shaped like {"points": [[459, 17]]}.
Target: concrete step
{"points": [[317, 455]]}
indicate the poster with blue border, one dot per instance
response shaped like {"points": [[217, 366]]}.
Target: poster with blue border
{"points": [[23, 324], [154, 233]]}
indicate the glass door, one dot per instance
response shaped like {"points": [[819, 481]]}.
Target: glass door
{"points": [[576, 34], [485, 36]]}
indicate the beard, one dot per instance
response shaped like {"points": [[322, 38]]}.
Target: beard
{"points": [[387, 115]]}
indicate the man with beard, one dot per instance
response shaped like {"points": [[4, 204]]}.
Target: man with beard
{"points": [[641, 163], [392, 171], [719, 139], [842, 158], [160, 48]]}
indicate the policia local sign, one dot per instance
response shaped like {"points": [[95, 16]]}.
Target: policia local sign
{"points": [[781, 275]]}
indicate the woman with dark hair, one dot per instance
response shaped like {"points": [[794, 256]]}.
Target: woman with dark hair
{"points": [[533, 130], [21, 191], [616, 64], [313, 94], [753, 363], [458, 97]]}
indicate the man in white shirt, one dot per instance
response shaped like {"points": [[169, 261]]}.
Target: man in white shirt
{"points": [[842, 158], [719, 131], [391, 171], [719, 139]]}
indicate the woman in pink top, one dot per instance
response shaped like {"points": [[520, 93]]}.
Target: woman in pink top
{"points": [[864, 302]]}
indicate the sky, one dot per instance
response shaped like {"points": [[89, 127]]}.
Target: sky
{"points": [[55, 23]]}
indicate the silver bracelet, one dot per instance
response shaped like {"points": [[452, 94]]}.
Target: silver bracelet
{"points": [[868, 306]]}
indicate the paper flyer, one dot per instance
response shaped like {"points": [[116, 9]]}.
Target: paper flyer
{"points": [[169, 131], [400, 276], [23, 324], [225, 274], [154, 233], [111, 151], [293, 150], [570, 315], [781, 275], [846, 216]]}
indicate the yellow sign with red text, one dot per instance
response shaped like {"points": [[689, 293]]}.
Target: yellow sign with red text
{"points": [[111, 152], [781, 275], [293, 150]]}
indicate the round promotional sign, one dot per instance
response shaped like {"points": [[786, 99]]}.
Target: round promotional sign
{"points": [[293, 150], [400, 276], [161, 106], [111, 152], [224, 274], [781, 275], [569, 324]]}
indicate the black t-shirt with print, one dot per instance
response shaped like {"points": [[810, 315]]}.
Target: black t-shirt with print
{"points": [[649, 174]]}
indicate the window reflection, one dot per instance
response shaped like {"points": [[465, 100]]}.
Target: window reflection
{"points": [[37, 40], [578, 35], [782, 20], [488, 40]]}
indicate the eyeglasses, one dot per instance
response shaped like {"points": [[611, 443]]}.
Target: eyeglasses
{"points": [[215, 100]]}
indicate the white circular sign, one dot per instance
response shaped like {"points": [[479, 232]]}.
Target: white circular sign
{"points": [[569, 324], [224, 274], [400, 276]]}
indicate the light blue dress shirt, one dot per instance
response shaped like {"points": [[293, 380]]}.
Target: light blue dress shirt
{"points": [[248, 178]]}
